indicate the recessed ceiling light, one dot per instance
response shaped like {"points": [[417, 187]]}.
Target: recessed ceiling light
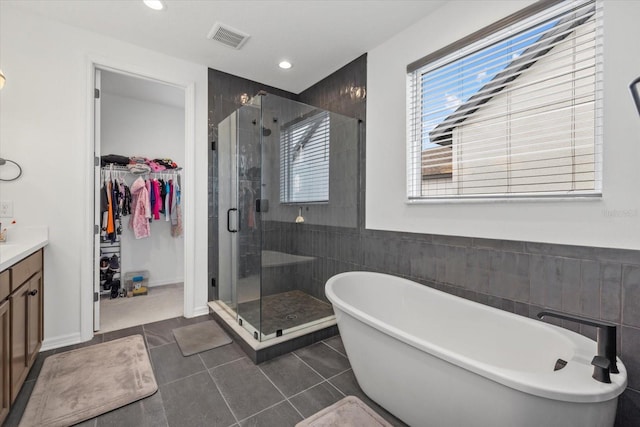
{"points": [[154, 4], [285, 65]]}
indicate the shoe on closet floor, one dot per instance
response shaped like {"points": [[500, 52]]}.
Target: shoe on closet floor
{"points": [[115, 289], [104, 263], [114, 264]]}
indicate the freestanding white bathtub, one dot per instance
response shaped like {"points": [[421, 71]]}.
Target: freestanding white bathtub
{"points": [[433, 359]]}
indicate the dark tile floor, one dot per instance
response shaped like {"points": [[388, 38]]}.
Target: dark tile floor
{"points": [[222, 387]]}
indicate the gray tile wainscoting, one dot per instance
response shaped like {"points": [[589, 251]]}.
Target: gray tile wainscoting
{"points": [[519, 277]]}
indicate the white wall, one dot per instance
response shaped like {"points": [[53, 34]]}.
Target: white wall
{"points": [[44, 125], [613, 221], [134, 127]]}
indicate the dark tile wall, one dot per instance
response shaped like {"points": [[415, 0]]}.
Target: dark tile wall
{"points": [[227, 93], [519, 277], [345, 92]]}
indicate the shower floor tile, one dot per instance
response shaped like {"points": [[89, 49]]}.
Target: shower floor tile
{"points": [[284, 311]]}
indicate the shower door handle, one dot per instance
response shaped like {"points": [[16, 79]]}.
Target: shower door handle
{"points": [[634, 92], [229, 220]]}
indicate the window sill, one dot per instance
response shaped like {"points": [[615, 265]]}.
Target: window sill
{"points": [[594, 197]]}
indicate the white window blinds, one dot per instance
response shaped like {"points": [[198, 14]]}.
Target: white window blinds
{"points": [[516, 112], [304, 160]]}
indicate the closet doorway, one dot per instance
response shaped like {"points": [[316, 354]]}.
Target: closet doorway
{"points": [[138, 275]]}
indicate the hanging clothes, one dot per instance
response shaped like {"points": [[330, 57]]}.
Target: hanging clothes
{"points": [[110, 224], [141, 210], [174, 197], [104, 211], [126, 198], [167, 202], [163, 195], [176, 224], [157, 206]]}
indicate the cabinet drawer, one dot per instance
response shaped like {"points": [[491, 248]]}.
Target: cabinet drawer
{"points": [[5, 284], [25, 269]]}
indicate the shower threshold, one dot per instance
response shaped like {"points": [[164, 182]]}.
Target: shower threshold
{"points": [[273, 346]]}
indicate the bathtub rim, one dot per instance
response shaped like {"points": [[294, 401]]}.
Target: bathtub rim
{"points": [[552, 385]]}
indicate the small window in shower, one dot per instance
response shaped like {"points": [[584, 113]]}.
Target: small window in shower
{"points": [[304, 159]]}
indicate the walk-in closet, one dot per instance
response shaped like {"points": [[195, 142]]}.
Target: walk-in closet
{"points": [[139, 250]]}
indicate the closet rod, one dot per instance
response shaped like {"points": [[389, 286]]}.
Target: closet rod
{"points": [[118, 168]]}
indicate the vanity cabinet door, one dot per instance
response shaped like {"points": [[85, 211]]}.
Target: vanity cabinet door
{"points": [[19, 306], [5, 361], [34, 318]]}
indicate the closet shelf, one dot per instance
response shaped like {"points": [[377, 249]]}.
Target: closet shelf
{"points": [[118, 168]]}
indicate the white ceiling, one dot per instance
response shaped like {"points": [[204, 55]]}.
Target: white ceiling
{"points": [[317, 36]]}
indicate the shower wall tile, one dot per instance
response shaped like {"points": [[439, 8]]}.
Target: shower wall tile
{"points": [[631, 295], [567, 251], [500, 245], [455, 263], [590, 279], [570, 283], [510, 275], [611, 292], [224, 97], [334, 92]]}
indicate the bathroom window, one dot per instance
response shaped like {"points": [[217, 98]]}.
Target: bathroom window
{"points": [[304, 159], [514, 110]]}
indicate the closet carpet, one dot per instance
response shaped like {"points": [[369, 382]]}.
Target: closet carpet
{"points": [[162, 302]]}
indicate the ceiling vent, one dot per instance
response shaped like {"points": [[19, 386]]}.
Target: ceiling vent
{"points": [[227, 35]]}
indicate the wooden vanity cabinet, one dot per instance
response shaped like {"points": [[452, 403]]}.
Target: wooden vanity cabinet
{"points": [[5, 346], [19, 366], [21, 325]]}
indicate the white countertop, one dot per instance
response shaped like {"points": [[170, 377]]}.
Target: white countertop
{"points": [[22, 242]]}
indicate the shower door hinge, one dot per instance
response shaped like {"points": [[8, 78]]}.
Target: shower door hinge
{"points": [[213, 146], [96, 229], [95, 297], [213, 282], [96, 93]]}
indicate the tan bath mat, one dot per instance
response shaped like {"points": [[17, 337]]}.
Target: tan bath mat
{"points": [[349, 411], [200, 337], [81, 384]]}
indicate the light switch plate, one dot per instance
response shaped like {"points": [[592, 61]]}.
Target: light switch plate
{"points": [[6, 209]]}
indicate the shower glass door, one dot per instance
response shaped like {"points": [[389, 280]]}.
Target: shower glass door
{"points": [[247, 256]]}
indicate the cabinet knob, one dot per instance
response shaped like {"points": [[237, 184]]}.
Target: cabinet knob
{"points": [[33, 292]]}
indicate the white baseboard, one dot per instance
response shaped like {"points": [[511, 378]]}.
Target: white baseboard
{"points": [[165, 282], [201, 311], [61, 341]]}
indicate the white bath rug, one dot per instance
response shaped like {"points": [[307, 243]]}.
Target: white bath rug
{"points": [[81, 384], [349, 411], [200, 337]]}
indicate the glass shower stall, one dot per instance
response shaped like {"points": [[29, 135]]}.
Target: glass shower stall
{"points": [[279, 171]]}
